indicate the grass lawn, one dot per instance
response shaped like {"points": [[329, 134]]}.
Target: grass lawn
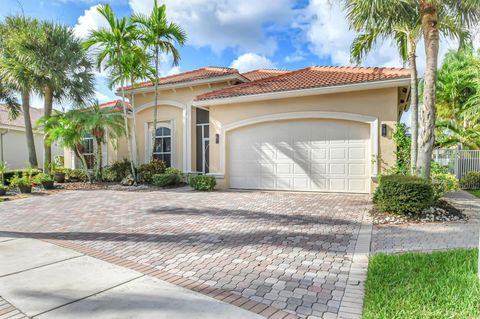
{"points": [[423, 285], [475, 192]]}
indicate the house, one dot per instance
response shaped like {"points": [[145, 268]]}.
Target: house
{"points": [[313, 129], [13, 140]]}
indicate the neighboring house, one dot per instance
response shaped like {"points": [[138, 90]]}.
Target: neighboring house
{"points": [[313, 129], [13, 141]]}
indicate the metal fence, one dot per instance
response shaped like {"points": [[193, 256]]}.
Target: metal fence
{"points": [[459, 162]]}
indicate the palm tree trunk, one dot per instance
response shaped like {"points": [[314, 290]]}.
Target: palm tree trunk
{"points": [[428, 12], [32, 153], [127, 132], [80, 155], [155, 111], [134, 135], [98, 160], [47, 149], [412, 61]]}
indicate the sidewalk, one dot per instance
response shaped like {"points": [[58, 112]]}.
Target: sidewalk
{"points": [[42, 280]]}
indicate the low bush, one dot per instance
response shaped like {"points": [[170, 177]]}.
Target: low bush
{"points": [[172, 176], [470, 180], [443, 183], [146, 171], [23, 180], [403, 194], [203, 183], [7, 176], [117, 171], [42, 177], [76, 175]]}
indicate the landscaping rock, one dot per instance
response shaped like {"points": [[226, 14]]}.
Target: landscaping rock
{"points": [[128, 181]]}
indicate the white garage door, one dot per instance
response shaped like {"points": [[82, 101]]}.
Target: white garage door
{"points": [[302, 155]]}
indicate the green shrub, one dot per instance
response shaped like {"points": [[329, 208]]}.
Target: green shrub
{"points": [[443, 183], [470, 180], [146, 171], [117, 171], [403, 194], [76, 175], [163, 180], [21, 180], [203, 183], [7, 176], [42, 177]]}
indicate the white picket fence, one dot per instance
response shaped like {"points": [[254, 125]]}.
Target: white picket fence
{"points": [[459, 162]]}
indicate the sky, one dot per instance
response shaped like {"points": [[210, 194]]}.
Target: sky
{"points": [[244, 34]]}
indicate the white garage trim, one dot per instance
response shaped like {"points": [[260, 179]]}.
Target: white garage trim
{"points": [[372, 121]]}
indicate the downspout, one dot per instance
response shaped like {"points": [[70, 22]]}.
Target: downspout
{"points": [[2, 133]]}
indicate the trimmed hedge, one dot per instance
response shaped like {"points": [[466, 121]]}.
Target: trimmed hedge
{"points": [[148, 170], [203, 183], [403, 194], [172, 176]]}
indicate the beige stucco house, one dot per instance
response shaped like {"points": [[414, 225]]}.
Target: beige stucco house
{"points": [[13, 140], [313, 129]]}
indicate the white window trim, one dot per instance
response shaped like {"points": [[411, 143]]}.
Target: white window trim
{"points": [[372, 121], [148, 139]]}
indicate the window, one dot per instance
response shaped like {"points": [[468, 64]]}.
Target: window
{"points": [[88, 151], [163, 145]]}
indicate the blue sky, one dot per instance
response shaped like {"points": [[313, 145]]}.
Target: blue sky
{"points": [[246, 34]]}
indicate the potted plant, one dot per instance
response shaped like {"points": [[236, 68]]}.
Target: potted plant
{"points": [[24, 183], [3, 169], [59, 175], [44, 179]]}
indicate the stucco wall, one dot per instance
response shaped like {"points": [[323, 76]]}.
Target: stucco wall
{"points": [[381, 103], [15, 151]]}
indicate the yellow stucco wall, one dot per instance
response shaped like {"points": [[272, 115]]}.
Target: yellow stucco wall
{"points": [[380, 103]]}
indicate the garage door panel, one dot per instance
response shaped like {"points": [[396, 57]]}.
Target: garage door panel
{"points": [[315, 155]]}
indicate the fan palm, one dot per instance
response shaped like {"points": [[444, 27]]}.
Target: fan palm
{"points": [[100, 122], [16, 34], [113, 42], [7, 95], [63, 71], [160, 36]]}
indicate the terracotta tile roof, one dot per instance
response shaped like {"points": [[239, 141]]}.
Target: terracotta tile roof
{"points": [[203, 73], [312, 77], [263, 74], [116, 104]]}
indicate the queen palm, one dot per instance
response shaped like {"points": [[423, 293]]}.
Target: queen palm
{"points": [[113, 42], [16, 34], [160, 36], [62, 68], [98, 121]]}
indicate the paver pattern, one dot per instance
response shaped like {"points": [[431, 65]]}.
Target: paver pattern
{"points": [[432, 236], [292, 251]]}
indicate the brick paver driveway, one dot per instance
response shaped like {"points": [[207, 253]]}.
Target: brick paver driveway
{"points": [[292, 251]]}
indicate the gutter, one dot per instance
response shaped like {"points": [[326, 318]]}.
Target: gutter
{"points": [[305, 92]]}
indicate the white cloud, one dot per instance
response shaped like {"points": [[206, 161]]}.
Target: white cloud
{"points": [[251, 61], [101, 97], [90, 20], [225, 24]]}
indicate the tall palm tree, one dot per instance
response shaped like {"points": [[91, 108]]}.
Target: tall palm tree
{"points": [[98, 121], [113, 42], [16, 34], [160, 36], [135, 66], [62, 68], [69, 130], [462, 15], [400, 23]]}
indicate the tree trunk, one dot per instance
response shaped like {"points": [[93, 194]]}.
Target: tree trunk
{"points": [[47, 112], [32, 153], [98, 160], [428, 12], [80, 155], [412, 61], [155, 111], [127, 132], [134, 135]]}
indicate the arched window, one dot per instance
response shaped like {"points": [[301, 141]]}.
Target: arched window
{"points": [[163, 145]]}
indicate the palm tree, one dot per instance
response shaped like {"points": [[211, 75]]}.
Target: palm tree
{"points": [[98, 121], [113, 42], [160, 36], [16, 34], [7, 95], [69, 129], [135, 66], [63, 70], [402, 24], [433, 13]]}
